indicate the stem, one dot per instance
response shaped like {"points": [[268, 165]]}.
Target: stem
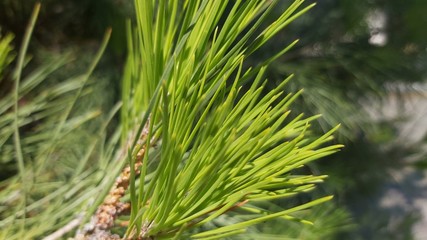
{"points": [[17, 138]]}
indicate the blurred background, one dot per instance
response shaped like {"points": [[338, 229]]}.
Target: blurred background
{"points": [[361, 63]]}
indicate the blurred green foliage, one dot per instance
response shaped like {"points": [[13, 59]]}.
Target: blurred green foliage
{"points": [[343, 68], [338, 66]]}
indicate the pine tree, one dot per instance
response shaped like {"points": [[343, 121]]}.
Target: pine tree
{"points": [[200, 138]]}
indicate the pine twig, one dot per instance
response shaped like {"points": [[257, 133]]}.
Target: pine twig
{"points": [[65, 229], [112, 207]]}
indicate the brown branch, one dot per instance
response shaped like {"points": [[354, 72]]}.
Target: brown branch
{"points": [[112, 207], [65, 229]]}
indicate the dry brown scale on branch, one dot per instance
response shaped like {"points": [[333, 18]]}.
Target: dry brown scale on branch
{"points": [[112, 207]]}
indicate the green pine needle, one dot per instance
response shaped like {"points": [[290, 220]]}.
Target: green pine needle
{"points": [[218, 149]]}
